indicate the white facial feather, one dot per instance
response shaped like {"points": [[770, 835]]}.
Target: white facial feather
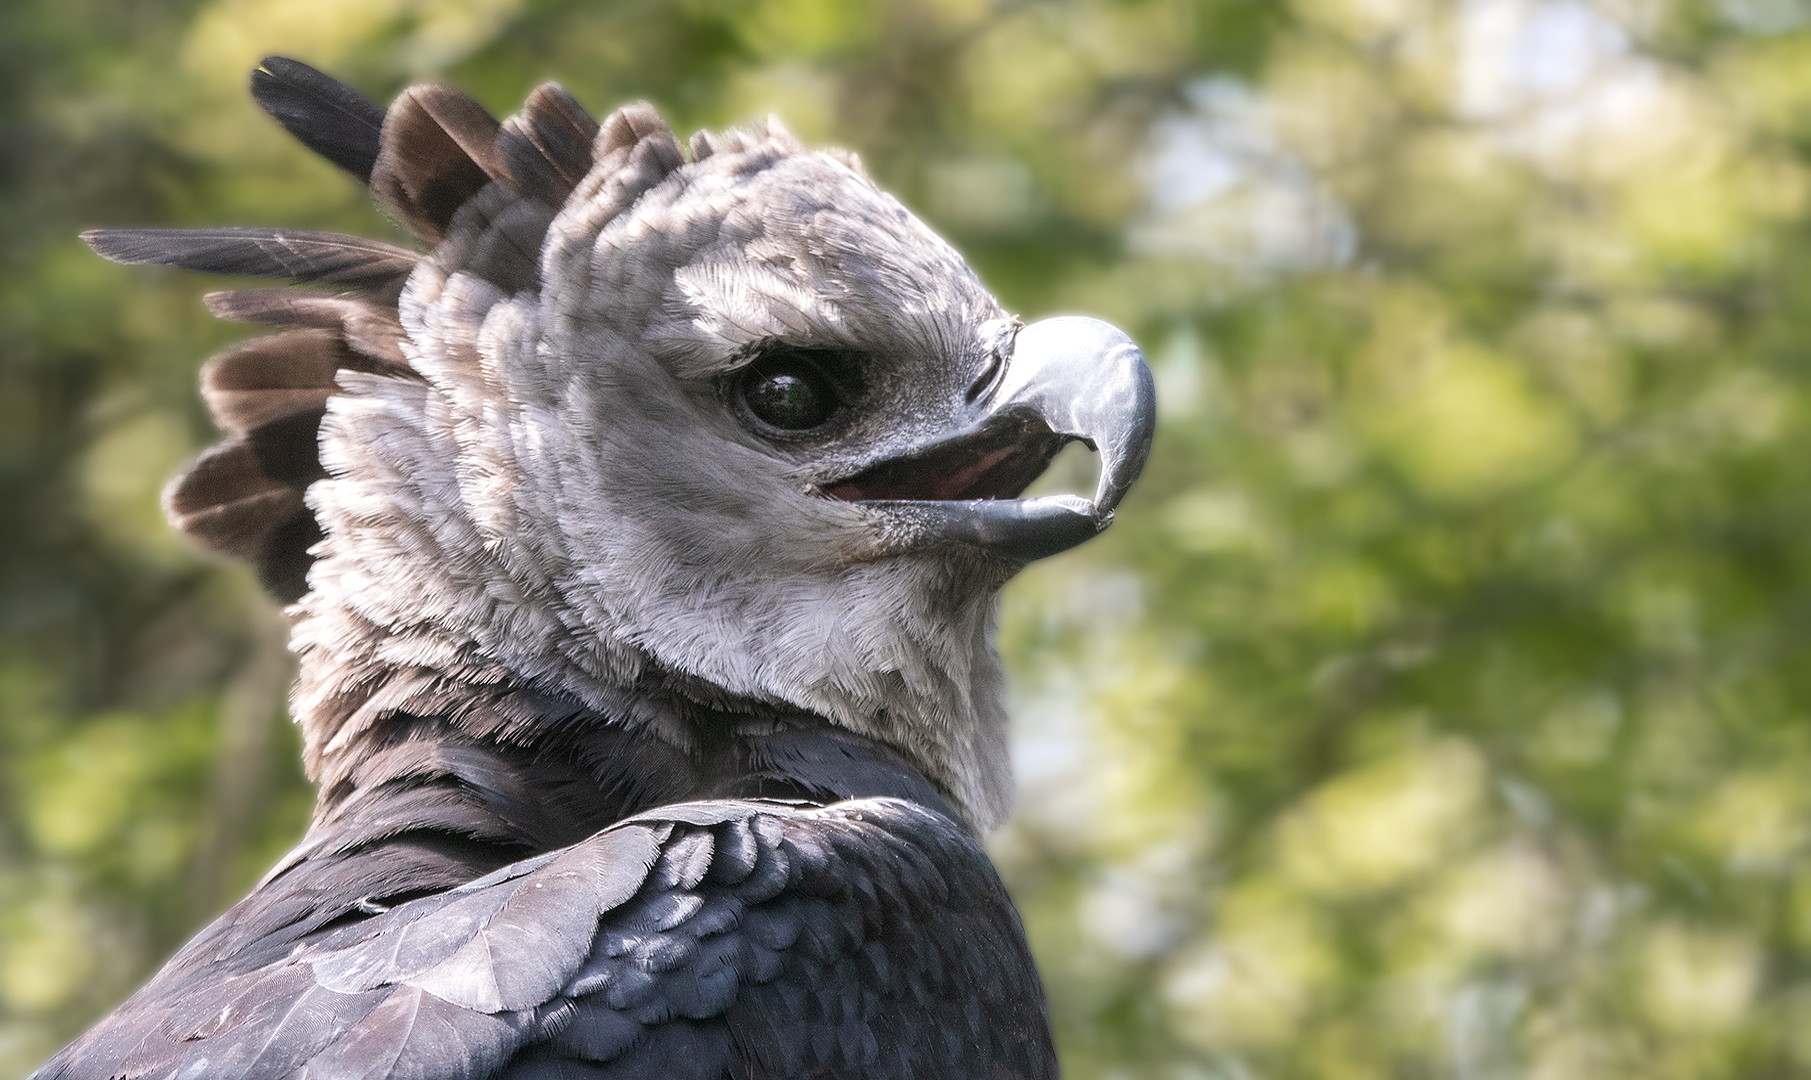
{"points": [[566, 498]]}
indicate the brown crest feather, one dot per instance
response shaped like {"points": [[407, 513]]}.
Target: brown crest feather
{"points": [[466, 122], [243, 527], [425, 172], [244, 497], [561, 132], [634, 124], [448, 171], [278, 307], [228, 503], [368, 328], [296, 359], [245, 410], [225, 473]]}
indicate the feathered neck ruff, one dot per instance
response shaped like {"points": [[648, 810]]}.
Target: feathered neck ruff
{"points": [[495, 512]]}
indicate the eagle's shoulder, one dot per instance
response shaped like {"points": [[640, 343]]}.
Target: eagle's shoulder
{"points": [[720, 938]]}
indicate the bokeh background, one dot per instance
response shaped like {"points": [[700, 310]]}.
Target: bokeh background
{"points": [[1439, 707]]}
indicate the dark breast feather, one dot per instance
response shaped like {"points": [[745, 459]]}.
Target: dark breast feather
{"points": [[727, 938]]}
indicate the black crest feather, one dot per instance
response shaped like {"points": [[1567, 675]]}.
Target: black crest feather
{"points": [[326, 115]]}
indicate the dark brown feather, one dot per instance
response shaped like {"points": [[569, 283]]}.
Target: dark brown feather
{"points": [[283, 564], [288, 447], [279, 307], [245, 496], [298, 359], [467, 123], [562, 129], [426, 172], [241, 527], [547, 147], [529, 170], [508, 252], [245, 410], [224, 474]]}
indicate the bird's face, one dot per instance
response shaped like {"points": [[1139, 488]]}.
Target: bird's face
{"points": [[763, 429]]}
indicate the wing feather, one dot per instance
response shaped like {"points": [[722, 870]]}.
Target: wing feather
{"points": [[295, 1020], [626, 955]]}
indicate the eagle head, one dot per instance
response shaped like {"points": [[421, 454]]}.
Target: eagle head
{"points": [[678, 432]]}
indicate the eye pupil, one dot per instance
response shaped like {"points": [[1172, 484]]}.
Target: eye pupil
{"points": [[787, 399]]}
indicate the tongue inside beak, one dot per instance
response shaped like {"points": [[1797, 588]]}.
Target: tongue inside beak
{"points": [[997, 461]]}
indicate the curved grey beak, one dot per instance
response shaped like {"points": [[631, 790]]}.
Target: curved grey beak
{"points": [[1085, 379], [1066, 379]]}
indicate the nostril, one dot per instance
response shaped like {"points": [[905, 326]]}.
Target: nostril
{"points": [[985, 381]]}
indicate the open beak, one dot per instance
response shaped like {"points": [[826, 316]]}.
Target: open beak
{"points": [[1067, 379]]}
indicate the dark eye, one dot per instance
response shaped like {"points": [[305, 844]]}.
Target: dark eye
{"points": [[791, 397]]}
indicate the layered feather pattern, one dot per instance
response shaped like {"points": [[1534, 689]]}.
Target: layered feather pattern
{"points": [[729, 938], [427, 158]]}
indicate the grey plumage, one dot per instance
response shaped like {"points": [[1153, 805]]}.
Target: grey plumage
{"points": [[653, 718]]}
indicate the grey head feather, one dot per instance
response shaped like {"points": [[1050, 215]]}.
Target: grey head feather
{"points": [[530, 456], [565, 495]]}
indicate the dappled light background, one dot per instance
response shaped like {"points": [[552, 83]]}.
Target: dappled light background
{"points": [[1439, 707]]}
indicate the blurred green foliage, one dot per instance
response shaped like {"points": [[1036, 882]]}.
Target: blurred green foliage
{"points": [[1437, 708]]}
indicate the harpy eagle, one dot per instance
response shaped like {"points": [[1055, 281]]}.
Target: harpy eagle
{"points": [[643, 537]]}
